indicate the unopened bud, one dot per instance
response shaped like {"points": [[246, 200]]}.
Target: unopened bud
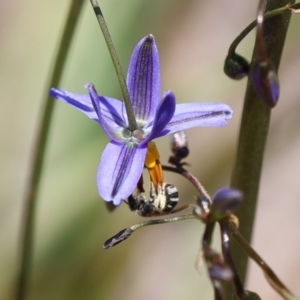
{"points": [[236, 66], [265, 82], [248, 296], [225, 201], [118, 238], [179, 145]]}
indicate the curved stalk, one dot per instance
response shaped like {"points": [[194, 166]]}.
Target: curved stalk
{"points": [[270, 14], [32, 187], [127, 232]]}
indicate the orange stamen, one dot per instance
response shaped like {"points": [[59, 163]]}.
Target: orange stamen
{"points": [[153, 165]]}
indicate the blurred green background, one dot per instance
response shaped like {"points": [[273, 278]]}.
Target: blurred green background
{"points": [[72, 221]]}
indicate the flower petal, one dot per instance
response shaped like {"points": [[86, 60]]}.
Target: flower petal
{"points": [[189, 115], [119, 171], [111, 108], [110, 127], [143, 79], [81, 102], [164, 114]]}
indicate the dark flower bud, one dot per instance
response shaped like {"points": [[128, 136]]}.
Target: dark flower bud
{"points": [[220, 271], [265, 82], [179, 144], [236, 67], [248, 296], [225, 201], [217, 268], [118, 238]]}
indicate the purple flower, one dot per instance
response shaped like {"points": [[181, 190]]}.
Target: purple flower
{"points": [[123, 159]]}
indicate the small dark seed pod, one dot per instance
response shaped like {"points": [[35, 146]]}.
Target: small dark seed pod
{"points": [[236, 67], [179, 145]]}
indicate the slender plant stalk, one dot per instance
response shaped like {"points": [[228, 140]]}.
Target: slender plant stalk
{"points": [[206, 242], [225, 242], [253, 133], [191, 178], [228, 227], [252, 25], [36, 166], [117, 65], [127, 232], [271, 277]]}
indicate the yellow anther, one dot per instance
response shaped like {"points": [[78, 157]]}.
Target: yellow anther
{"points": [[150, 160], [152, 155], [152, 148], [153, 164]]}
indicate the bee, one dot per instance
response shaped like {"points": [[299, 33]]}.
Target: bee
{"points": [[163, 196], [162, 200]]}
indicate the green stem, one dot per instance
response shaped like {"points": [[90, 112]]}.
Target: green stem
{"points": [[32, 187], [225, 243], [207, 252], [127, 232], [253, 133], [252, 25], [272, 278], [117, 65]]}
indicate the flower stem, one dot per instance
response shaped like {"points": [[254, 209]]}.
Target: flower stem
{"points": [[191, 178], [32, 187], [251, 26], [271, 277], [225, 242], [127, 232], [206, 242], [117, 65], [254, 132]]}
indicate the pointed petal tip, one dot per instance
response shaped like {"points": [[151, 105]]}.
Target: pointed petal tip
{"points": [[117, 202], [54, 92], [114, 202], [150, 38], [228, 113], [169, 93], [225, 110], [89, 86], [94, 97]]}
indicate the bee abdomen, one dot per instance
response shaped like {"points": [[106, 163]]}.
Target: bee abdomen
{"points": [[172, 196]]}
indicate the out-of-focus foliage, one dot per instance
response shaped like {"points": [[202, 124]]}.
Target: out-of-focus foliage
{"points": [[72, 221]]}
